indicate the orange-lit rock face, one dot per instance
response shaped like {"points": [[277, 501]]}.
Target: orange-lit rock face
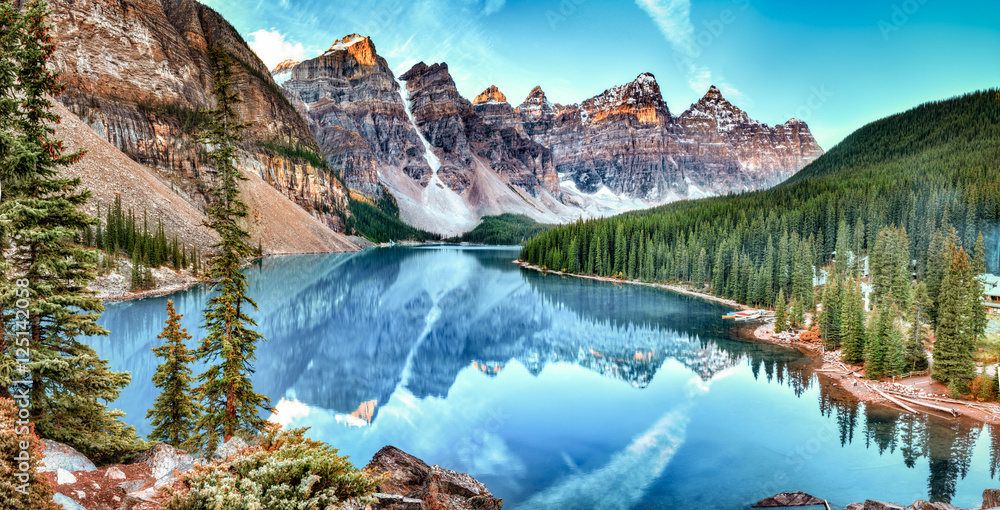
{"points": [[490, 95], [285, 65], [361, 48]]}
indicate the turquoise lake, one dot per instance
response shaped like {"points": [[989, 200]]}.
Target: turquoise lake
{"points": [[558, 392]]}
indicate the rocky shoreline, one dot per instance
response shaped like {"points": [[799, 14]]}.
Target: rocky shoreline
{"points": [[145, 481]]}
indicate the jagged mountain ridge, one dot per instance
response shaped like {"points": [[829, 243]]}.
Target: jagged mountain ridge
{"points": [[627, 140], [415, 138], [137, 73]]}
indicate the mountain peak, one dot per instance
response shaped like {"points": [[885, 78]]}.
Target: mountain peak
{"points": [[645, 78], [364, 52], [284, 66], [490, 95], [713, 92]]}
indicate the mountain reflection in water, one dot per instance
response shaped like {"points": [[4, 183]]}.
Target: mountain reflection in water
{"points": [[558, 392]]}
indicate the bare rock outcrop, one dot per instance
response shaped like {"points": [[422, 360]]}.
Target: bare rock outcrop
{"points": [[138, 73], [627, 140], [414, 484]]}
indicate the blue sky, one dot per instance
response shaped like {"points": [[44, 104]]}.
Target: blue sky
{"points": [[836, 65]]}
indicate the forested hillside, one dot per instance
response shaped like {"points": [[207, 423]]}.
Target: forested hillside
{"points": [[913, 191], [379, 222], [503, 230]]}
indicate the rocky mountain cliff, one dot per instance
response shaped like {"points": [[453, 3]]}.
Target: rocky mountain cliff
{"points": [[626, 140], [416, 139], [138, 74]]}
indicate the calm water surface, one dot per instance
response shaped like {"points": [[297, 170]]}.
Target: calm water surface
{"points": [[558, 392]]}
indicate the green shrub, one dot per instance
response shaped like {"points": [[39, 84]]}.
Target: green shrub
{"points": [[283, 470], [957, 389]]}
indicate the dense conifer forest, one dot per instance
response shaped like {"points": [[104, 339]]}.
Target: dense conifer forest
{"points": [[504, 230], [378, 221]]}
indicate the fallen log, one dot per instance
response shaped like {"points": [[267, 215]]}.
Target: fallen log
{"points": [[932, 406], [891, 399]]}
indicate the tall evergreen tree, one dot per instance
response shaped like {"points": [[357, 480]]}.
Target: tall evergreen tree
{"points": [[70, 383], [916, 353], [852, 325], [231, 404], [11, 151], [877, 344], [780, 313], [797, 316], [955, 336], [175, 412], [829, 318], [980, 318]]}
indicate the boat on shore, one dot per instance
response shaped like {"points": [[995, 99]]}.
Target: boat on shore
{"points": [[747, 315]]}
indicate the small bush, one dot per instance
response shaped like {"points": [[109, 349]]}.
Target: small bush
{"points": [[39, 492], [283, 470]]}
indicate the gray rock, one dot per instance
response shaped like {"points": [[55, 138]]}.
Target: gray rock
{"points": [[57, 455], [64, 477], [144, 495], [871, 504], [921, 504], [458, 484], [229, 448], [165, 460], [133, 486], [406, 475], [114, 473], [396, 502], [67, 503]]}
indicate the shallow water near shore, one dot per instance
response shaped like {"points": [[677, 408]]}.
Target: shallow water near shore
{"points": [[559, 392]]}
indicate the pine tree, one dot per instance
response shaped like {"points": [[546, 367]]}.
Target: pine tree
{"points": [[829, 319], [954, 345], [780, 313], [797, 316], [71, 384], [175, 412], [980, 318], [853, 326], [895, 358], [876, 344], [135, 278], [11, 151], [231, 404], [916, 353]]}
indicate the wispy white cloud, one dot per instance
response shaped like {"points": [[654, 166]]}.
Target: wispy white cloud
{"points": [[673, 18], [272, 47]]}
